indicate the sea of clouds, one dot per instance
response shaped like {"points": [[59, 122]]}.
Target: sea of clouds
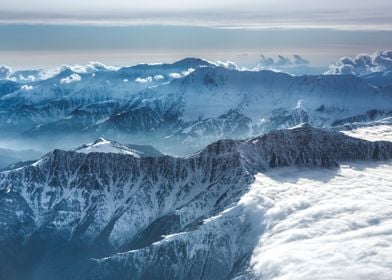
{"points": [[323, 224], [379, 132]]}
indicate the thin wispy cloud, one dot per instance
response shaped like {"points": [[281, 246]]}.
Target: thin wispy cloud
{"points": [[225, 14], [43, 33]]}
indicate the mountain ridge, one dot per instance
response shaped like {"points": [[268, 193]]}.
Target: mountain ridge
{"points": [[103, 145], [90, 200]]}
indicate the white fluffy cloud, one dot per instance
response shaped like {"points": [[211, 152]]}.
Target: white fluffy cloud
{"points": [[187, 72], [5, 72], [71, 79], [26, 87], [363, 63], [29, 78], [227, 64], [158, 77], [90, 67], [149, 79], [175, 75], [144, 80]]}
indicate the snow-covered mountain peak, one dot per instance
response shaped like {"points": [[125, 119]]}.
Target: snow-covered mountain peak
{"points": [[102, 145], [302, 126], [192, 62], [101, 140]]}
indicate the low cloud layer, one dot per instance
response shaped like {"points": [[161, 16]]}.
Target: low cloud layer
{"points": [[324, 224], [33, 75], [6, 73], [90, 67], [174, 75], [363, 63]]}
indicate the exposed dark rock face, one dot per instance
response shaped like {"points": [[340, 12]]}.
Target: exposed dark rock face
{"points": [[73, 215]]}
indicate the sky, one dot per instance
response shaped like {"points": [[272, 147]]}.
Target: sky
{"points": [[42, 33]]}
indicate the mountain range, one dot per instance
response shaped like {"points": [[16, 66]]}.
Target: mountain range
{"points": [[113, 211], [230, 172], [181, 107]]}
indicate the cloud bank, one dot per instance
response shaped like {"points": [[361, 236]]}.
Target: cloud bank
{"points": [[90, 67], [281, 61], [363, 63], [322, 225], [174, 75], [6, 73]]}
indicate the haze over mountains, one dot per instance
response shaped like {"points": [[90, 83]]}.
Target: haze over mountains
{"points": [[179, 107], [195, 170]]}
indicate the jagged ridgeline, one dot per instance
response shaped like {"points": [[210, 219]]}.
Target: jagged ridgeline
{"points": [[119, 212], [181, 107]]}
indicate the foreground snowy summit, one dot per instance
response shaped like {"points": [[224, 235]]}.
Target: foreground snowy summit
{"points": [[102, 145], [100, 212]]}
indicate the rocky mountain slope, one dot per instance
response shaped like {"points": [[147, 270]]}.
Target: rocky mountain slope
{"points": [[76, 215]]}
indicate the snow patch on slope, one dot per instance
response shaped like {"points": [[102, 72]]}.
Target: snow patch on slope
{"points": [[103, 145]]}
